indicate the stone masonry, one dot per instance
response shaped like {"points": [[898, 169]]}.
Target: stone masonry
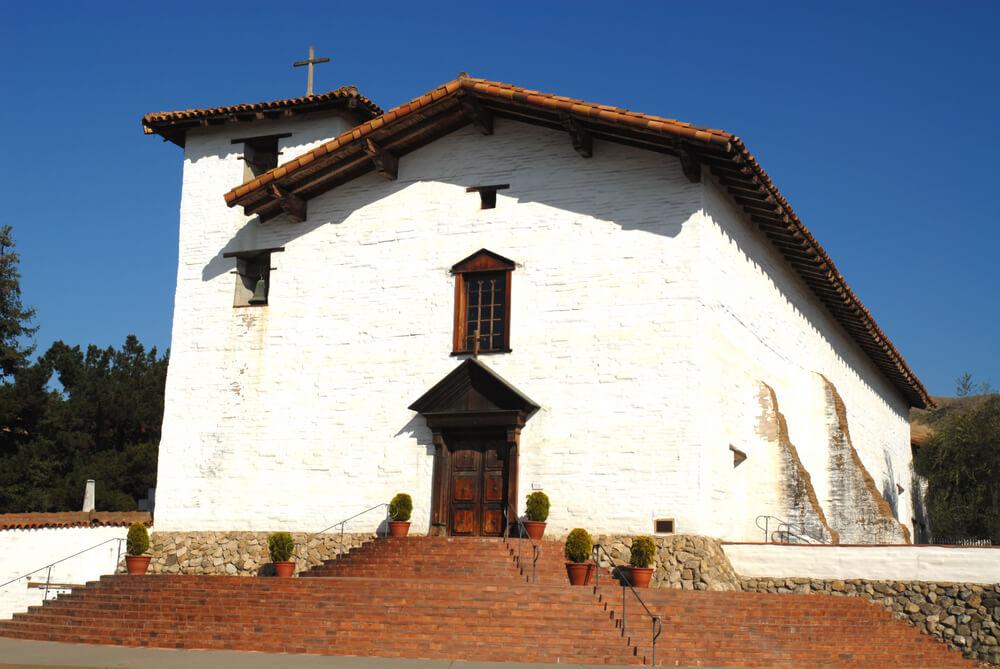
{"points": [[683, 561], [965, 616], [239, 553]]}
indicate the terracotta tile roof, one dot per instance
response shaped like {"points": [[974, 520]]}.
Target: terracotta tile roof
{"points": [[172, 125], [468, 100], [23, 521]]}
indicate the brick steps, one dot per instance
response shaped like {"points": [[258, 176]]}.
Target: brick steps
{"points": [[441, 598]]}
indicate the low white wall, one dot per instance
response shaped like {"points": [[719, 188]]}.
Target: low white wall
{"points": [[24, 550], [876, 563]]}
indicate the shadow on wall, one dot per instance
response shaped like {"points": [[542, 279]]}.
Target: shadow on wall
{"points": [[416, 428], [530, 184]]}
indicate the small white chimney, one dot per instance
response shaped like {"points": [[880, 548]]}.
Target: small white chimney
{"points": [[88, 496]]}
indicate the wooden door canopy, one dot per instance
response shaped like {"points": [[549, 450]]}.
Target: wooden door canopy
{"points": [[473, 400], [473, 395]]}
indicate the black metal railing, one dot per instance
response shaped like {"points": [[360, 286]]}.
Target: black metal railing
{"points": [[341, 524], [785, 532], [48, 568], [626, 582], [536, 550]]}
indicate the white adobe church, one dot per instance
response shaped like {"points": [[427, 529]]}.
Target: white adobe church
{"points": [[488, 291]]}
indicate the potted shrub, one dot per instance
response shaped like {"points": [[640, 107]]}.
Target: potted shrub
{"points": [[136, 543], [537, 512], [400, 509], [578, 548], [281, 546], [641, 556]]}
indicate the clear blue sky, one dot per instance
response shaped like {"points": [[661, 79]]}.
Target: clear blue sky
{"points": [[878, 121]]}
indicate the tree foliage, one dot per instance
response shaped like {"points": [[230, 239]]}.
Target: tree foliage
{"points": [[961, 462], [965, 386], [15, 318], [104, 424], [72, 415]]}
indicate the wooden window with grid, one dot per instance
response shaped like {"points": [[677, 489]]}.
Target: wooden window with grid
{"points": [[482, 303]]}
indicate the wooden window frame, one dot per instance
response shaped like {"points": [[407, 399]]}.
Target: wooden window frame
{"points": [[480, 262]]}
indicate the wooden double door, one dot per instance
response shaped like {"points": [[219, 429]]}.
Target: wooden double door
{"points": [[478, 482]]}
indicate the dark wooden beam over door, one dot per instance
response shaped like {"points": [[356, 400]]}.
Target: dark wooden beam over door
{"points": [[439, 483], [513, 453]]}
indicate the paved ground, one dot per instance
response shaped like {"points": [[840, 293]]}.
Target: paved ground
{"points": [[16, 654]]}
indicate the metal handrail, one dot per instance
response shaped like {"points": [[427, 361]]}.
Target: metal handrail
{"points": [[48, 567], [623, 577], [342, 523], [783, 528], [536, 551]]}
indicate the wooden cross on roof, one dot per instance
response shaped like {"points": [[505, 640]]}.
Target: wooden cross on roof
{"points": [[312, 60]]}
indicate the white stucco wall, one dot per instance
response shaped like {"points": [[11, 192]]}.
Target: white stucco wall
{"points": [[893, 563], [762, 324], [644, 312], [295, 415], [24, 550]]}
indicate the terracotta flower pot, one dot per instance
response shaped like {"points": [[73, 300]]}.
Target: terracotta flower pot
{"points": [[579, 572], [136, 565], [535, 529], [284, 569], [399, 528], [639, 576]]}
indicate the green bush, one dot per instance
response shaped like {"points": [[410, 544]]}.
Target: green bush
{"points": [[401, 507], [137, 541], [281, 546], [579, 545], [537, 508], [643, 550]]}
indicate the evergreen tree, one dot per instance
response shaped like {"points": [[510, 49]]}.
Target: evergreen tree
{"points": [[15, 318], [104, 424]]}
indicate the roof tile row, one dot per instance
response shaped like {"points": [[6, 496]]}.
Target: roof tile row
{"points": [[25, 521]]}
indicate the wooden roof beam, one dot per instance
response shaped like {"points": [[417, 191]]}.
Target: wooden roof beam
{"points": [[689, 165], [480, 117], [583, 141], [290, 203], [386, 163]]}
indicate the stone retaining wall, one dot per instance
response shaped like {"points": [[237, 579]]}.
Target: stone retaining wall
{"points": [[239, 553], [965, 616], [682, 562]]}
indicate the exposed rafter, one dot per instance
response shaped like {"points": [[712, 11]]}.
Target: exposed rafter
{"points": [[480, 117], [691, 167], [386, 163], [290, 203], [583, 142]]}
